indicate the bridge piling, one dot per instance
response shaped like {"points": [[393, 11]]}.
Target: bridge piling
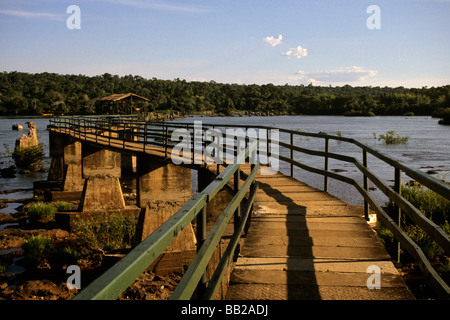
{"points": [[102, 170]]}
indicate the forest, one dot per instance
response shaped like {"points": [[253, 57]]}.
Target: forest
{"points": [[35, 94]]}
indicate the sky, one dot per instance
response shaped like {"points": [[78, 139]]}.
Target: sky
{"points": [[323, 42]]}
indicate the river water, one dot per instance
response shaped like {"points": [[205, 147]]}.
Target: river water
{"points": [[428, 148]]}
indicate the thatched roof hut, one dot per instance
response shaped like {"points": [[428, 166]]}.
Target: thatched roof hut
{"points": [[120, 99]]}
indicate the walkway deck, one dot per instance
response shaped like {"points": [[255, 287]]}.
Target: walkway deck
{"points": [[306, 244]]}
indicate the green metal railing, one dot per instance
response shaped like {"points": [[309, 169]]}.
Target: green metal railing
{"points": [[119, 277], [105, 130]]}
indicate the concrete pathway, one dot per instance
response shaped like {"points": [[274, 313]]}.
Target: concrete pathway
{"points": [[306, 244]]}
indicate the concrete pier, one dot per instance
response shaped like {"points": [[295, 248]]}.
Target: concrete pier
{"points": [[101, 171]]}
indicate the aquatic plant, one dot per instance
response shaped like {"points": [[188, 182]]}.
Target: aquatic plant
{"points": [[29, 157], [390, 137]]}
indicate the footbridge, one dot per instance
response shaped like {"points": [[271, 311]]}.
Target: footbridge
{"points": [[241, 228]]}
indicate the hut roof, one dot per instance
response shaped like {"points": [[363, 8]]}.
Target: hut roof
{"points": [[124, 97]]}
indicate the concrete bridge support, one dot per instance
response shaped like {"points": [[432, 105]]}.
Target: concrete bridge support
{"points": [[73, 169], [65, 168], [101, 171], [162, 189]]}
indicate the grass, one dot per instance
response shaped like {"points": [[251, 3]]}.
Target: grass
{"points": [[62, 206], [41, 212], [45, 212], [35, 250], [39, 249], [390, 137], [107, 231]]}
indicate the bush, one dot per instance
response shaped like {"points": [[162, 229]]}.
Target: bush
{"points": [[41, 212], [63, 206], [431, 205], [434, 206], [392, 138], [445, 115], [35, 250], [29, 157], [105, 232]]}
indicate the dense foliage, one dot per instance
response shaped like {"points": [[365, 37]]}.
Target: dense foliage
{"points": [[35, 94]]}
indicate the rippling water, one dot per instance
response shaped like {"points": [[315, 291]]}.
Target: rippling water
{"points": [[428, 147]]}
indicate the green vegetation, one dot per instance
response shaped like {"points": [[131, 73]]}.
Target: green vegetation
{"points": [[434, 207], [108, 231], [39, 249], [62, 206], [29, 157], [41, 212], [35, 94], [35, 250], [392, 138], [65, 256], [444, 114]]}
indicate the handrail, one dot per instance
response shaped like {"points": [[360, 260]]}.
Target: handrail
{"points": [[151, 132], [119, 277]]}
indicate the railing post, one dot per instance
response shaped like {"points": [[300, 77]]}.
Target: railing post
{"points": [[166, 135], [397, 188], [325, 178], [292, 154], [237, 213], [97, 130], [109, 133], [124, 134], [366, 187], [201, 236], [268, 147], [145, 135]]}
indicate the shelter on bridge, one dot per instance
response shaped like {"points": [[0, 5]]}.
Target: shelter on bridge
{"points": [[121, 101]]}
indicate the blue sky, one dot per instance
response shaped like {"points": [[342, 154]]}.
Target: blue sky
{"points": [[324, 42]]}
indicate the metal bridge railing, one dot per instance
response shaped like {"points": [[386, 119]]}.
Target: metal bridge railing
{"points": [[158, 134], [119, 277]]}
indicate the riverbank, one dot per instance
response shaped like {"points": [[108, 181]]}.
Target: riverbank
{"points": [[47, 283]]}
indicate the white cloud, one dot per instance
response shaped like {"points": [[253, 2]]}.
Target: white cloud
{"points": [[31, 15], [298, 53], [340, 75], [272, 41]]}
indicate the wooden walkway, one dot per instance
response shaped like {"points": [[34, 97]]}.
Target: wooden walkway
{"points": [[306, 244]]}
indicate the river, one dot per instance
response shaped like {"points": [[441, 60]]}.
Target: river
{"points": [[428, 148]]}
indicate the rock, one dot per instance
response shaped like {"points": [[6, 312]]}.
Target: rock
{"points": [[17, 126], [8, 172], [28, 141]]}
